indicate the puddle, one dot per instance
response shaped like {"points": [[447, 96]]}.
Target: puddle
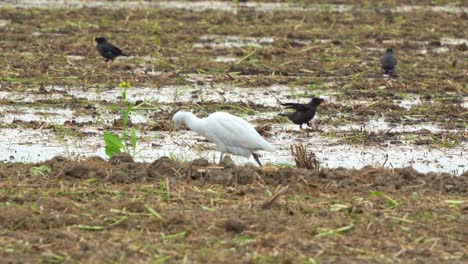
{"points": [[39, 145], [453, 41], [196, 6], [408, 103], [224, 42], [75, 57], [29, 97], [380, 125], [170, 94], [438, 50], [225, 59], [28, 145], [445, 41], [266, 96], [437, 9], [60, 116], [226, 6]]}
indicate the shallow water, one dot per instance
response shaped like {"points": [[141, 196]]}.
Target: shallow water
{"points": [[226, 6], [33, 145], [232, 41], [379, 126], [181, 93], [37, 145], [223, 42], [225, 59], [58, 116]]}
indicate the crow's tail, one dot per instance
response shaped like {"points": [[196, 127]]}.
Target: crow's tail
{"points": [[282, 114]]}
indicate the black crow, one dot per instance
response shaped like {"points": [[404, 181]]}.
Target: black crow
{"points": [[304, 112], [388, 63], [107, 50]]}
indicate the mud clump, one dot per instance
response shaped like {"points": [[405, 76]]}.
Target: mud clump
{"points": [[122, 169], [121, 158], [234, 226], [227, 162], [81, 171], [200, 162], [162, 167], [410, 179]]}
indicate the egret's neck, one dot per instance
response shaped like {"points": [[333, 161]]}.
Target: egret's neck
{"points": [[194, 123]]}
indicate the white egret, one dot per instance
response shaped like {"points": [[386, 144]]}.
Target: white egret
{"points": [[230, 133]]}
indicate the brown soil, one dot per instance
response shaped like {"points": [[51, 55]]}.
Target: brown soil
{"points": [[98, 211]]}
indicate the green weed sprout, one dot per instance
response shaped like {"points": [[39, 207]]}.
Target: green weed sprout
{"points": [[116, 144]]}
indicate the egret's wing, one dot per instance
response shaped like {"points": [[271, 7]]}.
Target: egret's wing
{"points": [[296, 106], [235, 132]]}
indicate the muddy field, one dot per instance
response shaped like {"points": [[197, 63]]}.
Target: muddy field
{"points": [[170, 212], [390, 178]]}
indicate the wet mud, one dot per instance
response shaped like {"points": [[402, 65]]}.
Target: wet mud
{"points": [[389, 181]]}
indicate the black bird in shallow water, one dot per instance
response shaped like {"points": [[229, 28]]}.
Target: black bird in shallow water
{"points": [[388, 63], [107, 50], [304, 112]]}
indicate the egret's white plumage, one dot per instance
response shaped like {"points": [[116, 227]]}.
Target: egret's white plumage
{"points": [[230, 133]]}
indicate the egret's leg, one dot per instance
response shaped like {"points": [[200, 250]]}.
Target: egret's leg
{"points": [[221, 157], [256, 159]]}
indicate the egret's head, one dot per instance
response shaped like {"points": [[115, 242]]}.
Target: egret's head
{"points": [[180, 118]]}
